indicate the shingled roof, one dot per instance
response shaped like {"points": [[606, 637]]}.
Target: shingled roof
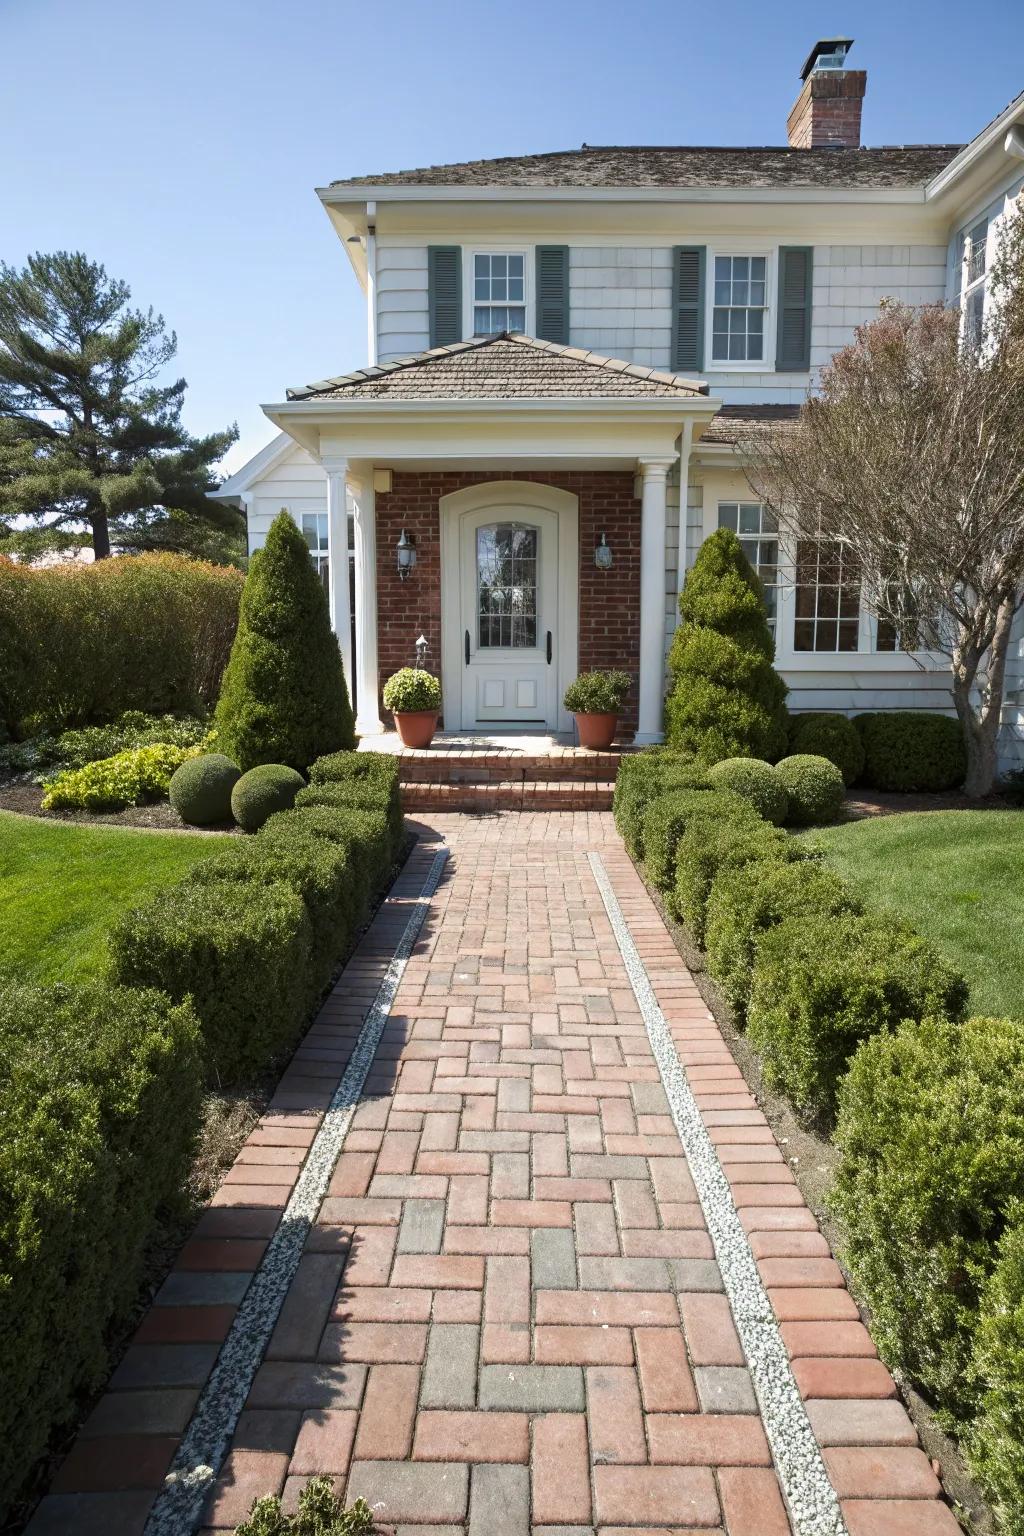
{"points": [[506, 366], [667, 166], [735, 422]]}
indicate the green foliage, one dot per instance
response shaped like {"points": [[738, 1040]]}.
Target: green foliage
{"points": [[320, 1513], [361, 795], [284, 698], [244, 962], [200, 790], [823, 984], [931, 1136], [712, 844], [103, 442], [597, 693], [727, 700], [821, 734], [667, 818], [85, 643], [641, 778], [73, 749], [814, 787], [336, 824], [912, 749], [263, 790], [128, 778], [747, 900], [411, 690], [378, 768], [757, 782], [995, 1442], [99, 1105]]}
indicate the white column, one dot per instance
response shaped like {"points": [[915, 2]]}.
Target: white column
{"points": [[337, 555], [652, 600], [368, 722]]}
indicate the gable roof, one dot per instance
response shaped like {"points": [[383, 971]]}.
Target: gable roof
{"points": [[506, 366], [667, 166]]}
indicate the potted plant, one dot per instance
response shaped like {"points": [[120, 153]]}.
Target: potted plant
{"points": [[596, 699], [414, 698]]}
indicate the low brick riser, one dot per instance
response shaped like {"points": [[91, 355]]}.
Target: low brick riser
{"points": [[577, 794], [502, 779]]}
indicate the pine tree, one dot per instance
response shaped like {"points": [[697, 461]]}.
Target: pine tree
{"points": [[727, 699], [90, 435], [283, 698]]}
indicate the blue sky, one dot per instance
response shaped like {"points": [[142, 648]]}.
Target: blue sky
{"points": [[180, 143]]}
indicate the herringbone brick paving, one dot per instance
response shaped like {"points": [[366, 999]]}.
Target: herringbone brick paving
{"points": [[509, 1317]]}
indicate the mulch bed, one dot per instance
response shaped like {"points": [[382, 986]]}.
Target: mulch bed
{"points": [[878, 802], [160, 816]]}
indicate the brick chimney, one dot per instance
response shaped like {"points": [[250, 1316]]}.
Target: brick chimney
{"points": [[827, 111]]}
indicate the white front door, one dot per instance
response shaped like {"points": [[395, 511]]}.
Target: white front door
{"points": [[508, 617]]}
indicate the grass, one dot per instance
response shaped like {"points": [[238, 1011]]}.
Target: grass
{"points": [[957, 876], [62, 884]]}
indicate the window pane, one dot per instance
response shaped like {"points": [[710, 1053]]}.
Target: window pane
{"points": [[750, 517], [757, 266], [727, 515], [481, 266], [515, 266]]}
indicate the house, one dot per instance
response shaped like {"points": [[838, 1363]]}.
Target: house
{"points": [[564, 352]]}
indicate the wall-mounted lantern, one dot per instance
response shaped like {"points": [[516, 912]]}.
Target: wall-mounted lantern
{"points": [[406, 555], [603, 555]]}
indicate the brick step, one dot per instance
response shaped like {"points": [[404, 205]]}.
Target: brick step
{"points": [[509, 795], [454, 767]]}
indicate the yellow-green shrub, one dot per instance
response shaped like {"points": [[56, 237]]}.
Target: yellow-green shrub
{"points": [[128, 778]]}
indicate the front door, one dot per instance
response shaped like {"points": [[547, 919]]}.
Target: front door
{"points": [[508, 599]]}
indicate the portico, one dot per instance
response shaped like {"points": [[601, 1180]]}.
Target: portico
{"points": [[504, 464]]}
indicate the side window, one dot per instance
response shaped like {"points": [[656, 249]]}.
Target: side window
{"points": [[758, 533]]}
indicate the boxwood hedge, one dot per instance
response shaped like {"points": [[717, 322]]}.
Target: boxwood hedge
{"points": [[995, 1443], [711, 844], [99, 1106], [667, 818], [912, 749], [641, 778], [931, 1136]]}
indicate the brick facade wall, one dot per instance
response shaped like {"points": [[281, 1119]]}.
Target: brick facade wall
{"points": [[609, 601]]}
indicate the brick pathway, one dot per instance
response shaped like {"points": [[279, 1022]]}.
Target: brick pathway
{"points": [[508, 1318]]}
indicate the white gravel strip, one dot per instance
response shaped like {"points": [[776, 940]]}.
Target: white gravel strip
{"points": [[204, 1445], [810, 1497]]}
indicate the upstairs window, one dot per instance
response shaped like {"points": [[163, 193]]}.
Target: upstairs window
{"points": [[740, 307], [499, 292], [973, 282], [758, 533], [827, 596]]}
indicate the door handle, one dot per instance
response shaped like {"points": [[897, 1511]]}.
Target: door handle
{"points": [[467, 647], [549, 647]]}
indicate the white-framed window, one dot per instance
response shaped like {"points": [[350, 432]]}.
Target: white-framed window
{"points": [[499, 292], [827, 616], [314, 530], [739, 308], [973, 282], [758, 531]]}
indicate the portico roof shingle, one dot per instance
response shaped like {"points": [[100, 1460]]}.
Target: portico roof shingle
{"points": [[506, 366]]}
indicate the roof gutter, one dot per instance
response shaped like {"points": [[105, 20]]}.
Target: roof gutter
{"points": [[968, 157], [347, 193]]}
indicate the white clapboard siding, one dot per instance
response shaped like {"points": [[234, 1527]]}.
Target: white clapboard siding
{"points": [[298, 482], [403, 321]]}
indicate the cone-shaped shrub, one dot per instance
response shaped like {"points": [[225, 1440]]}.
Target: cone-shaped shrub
{"points": [[727, 700], [284, 698]]}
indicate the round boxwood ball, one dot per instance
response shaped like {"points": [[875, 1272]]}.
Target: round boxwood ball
{"points": [[200, 789], [267, 788], [757, 782], [831, 736], [814, 786]]}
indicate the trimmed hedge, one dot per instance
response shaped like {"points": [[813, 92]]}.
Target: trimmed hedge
{"points": [[641, 779], [666, 822], [99, 1106], [712, 844], [747, 900], [360, 794], [243, 961], [820, 734], [931, 1132], [757, 782], [995, 1444], [814, 787], [822, 984], [378, 768], [365, 836], [84, 643], [910, 749]]}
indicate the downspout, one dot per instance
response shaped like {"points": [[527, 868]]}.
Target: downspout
{"points": [[371, 283]]}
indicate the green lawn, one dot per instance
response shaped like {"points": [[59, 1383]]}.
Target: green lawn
{"points": [[62, 884], [959, 877]]}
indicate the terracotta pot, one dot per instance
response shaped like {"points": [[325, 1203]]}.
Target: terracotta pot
{"points": [[416, 727], [596, 731]]}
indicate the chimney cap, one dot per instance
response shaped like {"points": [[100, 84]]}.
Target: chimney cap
{"points": [[827, 53]]}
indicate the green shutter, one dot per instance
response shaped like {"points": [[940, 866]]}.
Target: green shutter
{"points": [[553, 293], [444, 294], [796, 275], [688, 263]]}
